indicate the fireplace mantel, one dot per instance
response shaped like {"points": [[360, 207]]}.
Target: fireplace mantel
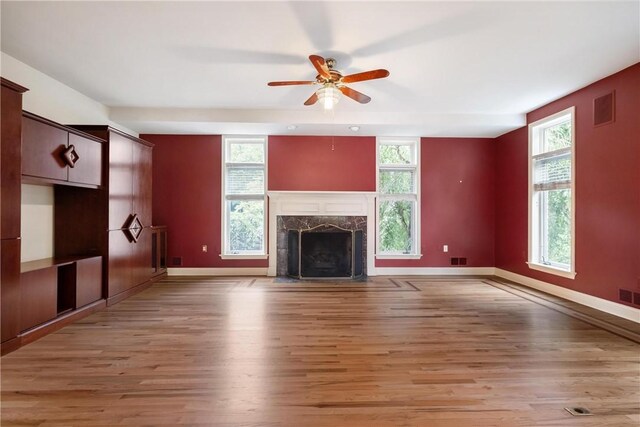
{"points": [[321, 203]]}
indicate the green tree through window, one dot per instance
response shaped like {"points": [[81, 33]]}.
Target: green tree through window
{"points": [[396, 197], [551, 220], [244, 195]]}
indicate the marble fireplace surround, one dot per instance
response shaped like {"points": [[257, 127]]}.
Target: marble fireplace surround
{"points": [[323, 204]]}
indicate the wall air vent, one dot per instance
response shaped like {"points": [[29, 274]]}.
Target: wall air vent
{"points": [[626, 295], [176, 261], [455, 261], [636, 298], [462, 261], [604, 109]]}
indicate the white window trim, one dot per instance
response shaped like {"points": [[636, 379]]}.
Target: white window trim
{"points": [[549, 121], [415, 141], [552, 270], [399, 256], [224, 229]]}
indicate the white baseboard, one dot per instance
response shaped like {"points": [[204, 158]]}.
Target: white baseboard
{"points": [[434, 271], [227, 271], [620, 310]]}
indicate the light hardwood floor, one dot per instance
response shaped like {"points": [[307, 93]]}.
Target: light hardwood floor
{"points": [[452, 352]]}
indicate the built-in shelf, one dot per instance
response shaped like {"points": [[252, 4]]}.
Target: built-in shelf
{"points": [[159, 250], [40, 264], [53, 287]]}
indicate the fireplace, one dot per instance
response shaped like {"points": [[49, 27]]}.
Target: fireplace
{"points": [[325, 251], [347, 212], [321, 246]]}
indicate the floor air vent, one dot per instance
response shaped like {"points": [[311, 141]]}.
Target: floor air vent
{"points": [[578, 411]]}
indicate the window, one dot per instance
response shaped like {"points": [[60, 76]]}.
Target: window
{"points": [[244, 196], [552, 194], [398, 202]]}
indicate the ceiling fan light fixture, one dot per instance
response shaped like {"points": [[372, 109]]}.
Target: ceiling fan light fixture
{"points": [[328, 95], [333, 83]]}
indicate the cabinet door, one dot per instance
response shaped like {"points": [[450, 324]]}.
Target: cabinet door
{"points": [[120, 263], [42, 148], [142, 183], [10, 169], [120, 180], [10, 295], [141, 258], [38, 297], [88, 168], [88, 281]]}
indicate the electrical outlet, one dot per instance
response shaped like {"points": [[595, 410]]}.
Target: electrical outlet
{"points": [[204, 248], [445, 248]]}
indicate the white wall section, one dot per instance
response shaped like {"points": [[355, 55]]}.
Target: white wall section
{"points": [[49, 98], [36, 228]]}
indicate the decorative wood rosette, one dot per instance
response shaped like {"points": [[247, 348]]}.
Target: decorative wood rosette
{"points": [[70, 156], [133, 228]]}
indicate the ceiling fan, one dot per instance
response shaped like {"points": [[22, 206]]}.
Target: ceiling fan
{"points": [[333, 82]]}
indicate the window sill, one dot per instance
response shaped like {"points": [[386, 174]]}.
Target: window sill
{"points": [[238, 256], [399, 256], [552, 270]]}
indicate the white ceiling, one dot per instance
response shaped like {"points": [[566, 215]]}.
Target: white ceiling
{"points": [[457, 68]]}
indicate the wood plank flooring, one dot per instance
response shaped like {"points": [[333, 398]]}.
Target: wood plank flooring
{"points": [[418, 351]]}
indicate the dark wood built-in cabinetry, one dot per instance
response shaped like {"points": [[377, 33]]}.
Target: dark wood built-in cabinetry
{"points": [[103, 239], [51, 292], [58, 154], [129, 219], [55, 287], [10, 148]]}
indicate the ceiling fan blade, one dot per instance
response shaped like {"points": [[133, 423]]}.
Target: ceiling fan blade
{"points": [[367, 75], [321, 66], [291, 83], [354, 94], [312, 99]]}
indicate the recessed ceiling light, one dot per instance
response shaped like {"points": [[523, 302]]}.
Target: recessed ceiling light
{"points": [[354, 128], [292, 127]]}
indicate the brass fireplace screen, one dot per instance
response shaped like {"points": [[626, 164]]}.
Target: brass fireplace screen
{"points": [[325, 251]]}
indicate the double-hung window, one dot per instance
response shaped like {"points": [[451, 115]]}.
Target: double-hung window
{"points": [[552, 194], [398, 199], [244, 196]]}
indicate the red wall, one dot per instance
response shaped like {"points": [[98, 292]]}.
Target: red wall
{"points": [[322, 163], [457, 205], [186, 197], [607, 191], [486, 211], [187, 174]]}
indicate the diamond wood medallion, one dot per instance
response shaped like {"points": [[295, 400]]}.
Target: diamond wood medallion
{"points": [[133, 228], [70, 156]]}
